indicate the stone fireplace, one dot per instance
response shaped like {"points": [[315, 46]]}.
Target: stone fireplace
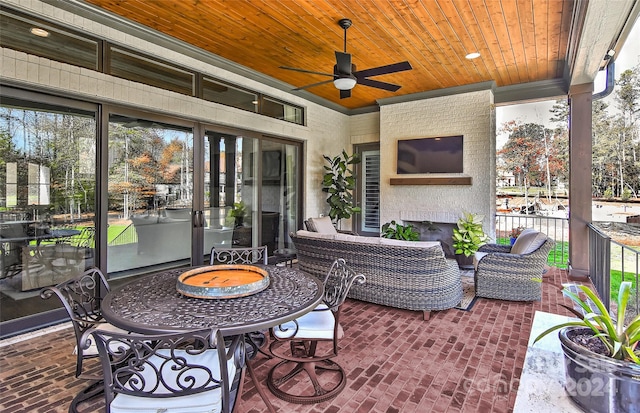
{"points": [[434, 226], [436, 231]]}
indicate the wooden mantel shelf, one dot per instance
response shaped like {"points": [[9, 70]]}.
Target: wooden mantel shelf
{"points": [[442, 180]]}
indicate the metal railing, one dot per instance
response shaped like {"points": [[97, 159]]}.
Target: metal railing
{"points": [[610, 263], [555, 228], [127, 236]]}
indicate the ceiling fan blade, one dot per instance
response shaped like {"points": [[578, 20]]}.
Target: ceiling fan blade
{"points": [[345, 94], [377, 84], [306, 71], [313, 84], [383, 70], [343, 62]]}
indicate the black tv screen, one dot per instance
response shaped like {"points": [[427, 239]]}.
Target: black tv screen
{"points": [[430, 155]]}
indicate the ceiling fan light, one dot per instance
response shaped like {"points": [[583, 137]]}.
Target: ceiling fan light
{"points": [[344, 83]]}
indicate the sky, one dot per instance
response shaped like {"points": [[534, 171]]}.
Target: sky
{"points": [[538, 112]]}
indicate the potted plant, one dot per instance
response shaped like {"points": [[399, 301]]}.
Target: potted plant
{"points": [[237, 213], [468, 236], [398, 231], [602, 356], [515, 233], [339, 182]]}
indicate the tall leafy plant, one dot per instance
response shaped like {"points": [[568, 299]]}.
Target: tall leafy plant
{"points": [[468, 235], [338, 181]]}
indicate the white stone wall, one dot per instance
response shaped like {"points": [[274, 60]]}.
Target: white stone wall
{"points": [[469, 114], [326, 131]]}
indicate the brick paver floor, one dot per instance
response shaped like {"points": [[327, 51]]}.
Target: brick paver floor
{"points": [[458, 361]]}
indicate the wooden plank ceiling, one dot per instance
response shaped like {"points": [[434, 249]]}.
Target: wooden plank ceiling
{"points": [[519, 41]]}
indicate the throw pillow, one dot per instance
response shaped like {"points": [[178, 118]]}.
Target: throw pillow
{"points": [[323, 225], [529, 241]]}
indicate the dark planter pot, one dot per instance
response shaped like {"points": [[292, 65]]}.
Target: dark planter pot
{"points": [[512, 241], [598, 383], [464, 262]]}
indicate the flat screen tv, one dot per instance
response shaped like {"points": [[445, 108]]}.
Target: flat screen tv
{"points": [[430, 155]]}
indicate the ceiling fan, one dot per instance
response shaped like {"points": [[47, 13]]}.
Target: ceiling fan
{"points": [[345, 76]]}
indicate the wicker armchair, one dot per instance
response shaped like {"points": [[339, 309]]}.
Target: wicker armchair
{"points": [[505, 276]]}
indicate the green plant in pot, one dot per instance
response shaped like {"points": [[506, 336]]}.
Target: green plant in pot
{"points": [[601, 352], [398, 231], [468, 236], [237, 213], [338, 181]]}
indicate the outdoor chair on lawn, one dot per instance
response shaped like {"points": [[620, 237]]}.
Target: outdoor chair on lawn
{"points": [[513, 273], [172, 373], [309, 343]]}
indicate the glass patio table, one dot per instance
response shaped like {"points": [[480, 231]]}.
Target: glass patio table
{"points": [[151, 304]]}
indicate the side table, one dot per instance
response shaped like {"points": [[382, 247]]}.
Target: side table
{"points": [[286, 255]]}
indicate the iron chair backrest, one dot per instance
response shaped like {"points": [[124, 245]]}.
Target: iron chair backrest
{"points": [[253, 255], [81, 297], [170, 365], [337, 284]]}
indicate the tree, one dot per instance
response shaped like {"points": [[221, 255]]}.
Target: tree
{"points": [[525, 153]]}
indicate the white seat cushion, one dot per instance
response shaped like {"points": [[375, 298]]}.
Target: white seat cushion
{"points": [[528, 241], [92, 350], [316, 324], [323, 225], [205, 402]]}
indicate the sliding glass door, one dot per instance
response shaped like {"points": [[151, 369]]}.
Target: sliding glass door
{"points": [[47, 201], [251, 191], [150, 184]]}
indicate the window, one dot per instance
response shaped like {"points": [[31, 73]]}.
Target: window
{"points": [[220, 92], [58, 43], [35, 36], [132, 66], [284, 111]]}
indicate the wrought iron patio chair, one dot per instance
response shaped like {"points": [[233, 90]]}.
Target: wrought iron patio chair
{"points": [[81, 297], [179, 372], [250, 255], [297, 343]]}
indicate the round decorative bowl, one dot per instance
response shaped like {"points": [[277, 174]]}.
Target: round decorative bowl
{"points": [[223, 281]]}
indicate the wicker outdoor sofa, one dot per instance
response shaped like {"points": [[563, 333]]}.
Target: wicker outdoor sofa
{"points": [[401, 274]]}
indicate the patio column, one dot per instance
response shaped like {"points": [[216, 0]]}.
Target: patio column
{"points": [[580, 151]]}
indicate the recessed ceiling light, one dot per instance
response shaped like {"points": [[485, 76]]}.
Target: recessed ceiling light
{"points": [[473, 55], [39, 32]]}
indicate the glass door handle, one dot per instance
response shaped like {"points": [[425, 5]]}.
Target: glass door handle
{"points": [[198, 219]]}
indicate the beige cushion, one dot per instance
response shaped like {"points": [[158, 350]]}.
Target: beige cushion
{"points": [[529, 241], [311, 234], [414, 244], [357, 238], [323, 225]]}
